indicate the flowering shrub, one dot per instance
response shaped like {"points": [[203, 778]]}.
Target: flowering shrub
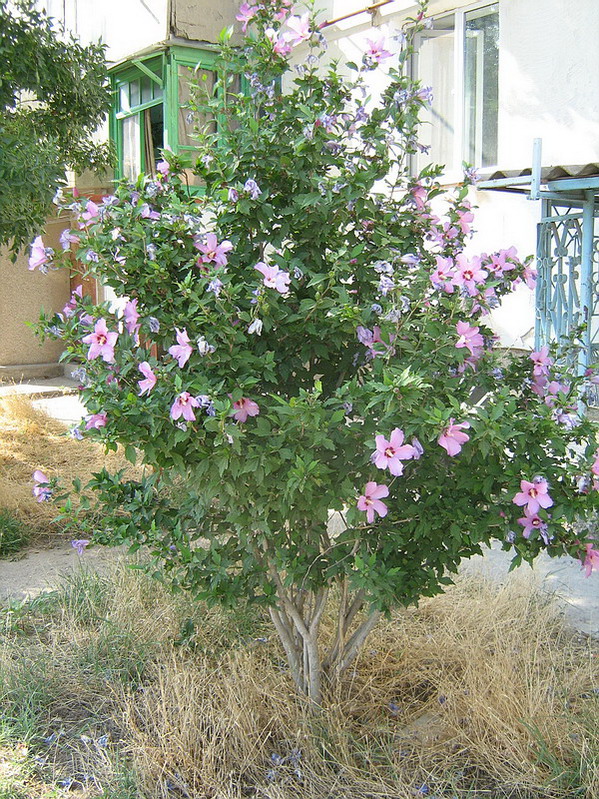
{"points": [[308, 336]]}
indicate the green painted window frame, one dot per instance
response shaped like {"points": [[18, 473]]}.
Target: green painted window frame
{"points": [[163, 63]]}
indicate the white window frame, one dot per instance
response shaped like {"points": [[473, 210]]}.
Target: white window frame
{"points": [[454, 171]]}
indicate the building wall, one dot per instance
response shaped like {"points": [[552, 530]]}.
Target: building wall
{"points": [[548, 60], [125, 26], [128, 26], [202, 20], [23, 295]]}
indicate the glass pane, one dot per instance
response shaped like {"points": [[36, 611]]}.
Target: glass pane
{"points": [[146, 90], [124, 104], [131, 129], [134, 93], [436, 69], [481, 86], [156, 90], [153, 137], [190, 121]]}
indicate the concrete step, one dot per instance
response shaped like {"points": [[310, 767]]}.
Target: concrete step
{"points": [[17, 373], [37, 389]]}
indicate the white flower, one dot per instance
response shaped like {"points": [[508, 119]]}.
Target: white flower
{"points": [[203, 347], [256, 327]]}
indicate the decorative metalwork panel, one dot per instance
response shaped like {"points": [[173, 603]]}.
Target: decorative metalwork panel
{"points": [[568, 276], [558, 264]]}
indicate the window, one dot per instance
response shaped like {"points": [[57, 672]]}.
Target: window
{"points": [[152, 107], [459, 58], [140, 123]]}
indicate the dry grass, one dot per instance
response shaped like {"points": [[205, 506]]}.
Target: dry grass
{"points": [[29, 440], [481, 692]]}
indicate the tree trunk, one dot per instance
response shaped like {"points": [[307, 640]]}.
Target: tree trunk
{"points": [[297, 620]]}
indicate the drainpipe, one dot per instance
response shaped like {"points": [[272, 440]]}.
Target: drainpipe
{"points": [[586, 277], [371, 9]]}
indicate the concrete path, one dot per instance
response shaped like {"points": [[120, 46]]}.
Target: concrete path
{"points": [[42, 570], [57, 396], [560, 576]]}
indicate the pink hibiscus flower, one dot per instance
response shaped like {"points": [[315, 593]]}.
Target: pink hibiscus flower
{"points": [[150, 378], [243, 408], [541, 361], [370, 501], [40, 255], [469, 274], [96, 421], [183, 406], [419, 196], [465, 218], [101, 341], [274, 278], [91, 213], [376, 52], [212, 251], [531, 521], [300, 29], [41, 490], [591, 560], [534, 495], [281, 43], [452, 438], [246, 13], [71, 306], [442, 277], [131, 317], [529, 275], [67, 237], [389, 454], [470, 338], [183, 349]]}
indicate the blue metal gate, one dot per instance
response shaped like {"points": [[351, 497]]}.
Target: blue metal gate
{"points": [[568, 274]]}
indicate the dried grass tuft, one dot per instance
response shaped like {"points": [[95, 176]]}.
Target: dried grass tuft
{"points": [[30, 440], [480, 692]]}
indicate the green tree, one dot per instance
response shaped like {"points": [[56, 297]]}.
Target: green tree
{"points": [[53, 95], [308, 336]]}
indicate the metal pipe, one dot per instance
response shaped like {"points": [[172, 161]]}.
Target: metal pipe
{"points": [[535, 184], [369, 9], [586, 274]]}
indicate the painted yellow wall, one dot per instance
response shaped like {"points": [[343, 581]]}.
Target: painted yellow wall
{"points": [[23, 295]]}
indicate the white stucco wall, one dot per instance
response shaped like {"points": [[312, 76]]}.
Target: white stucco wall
{"points": [[549, 63], [125, 26], [548, 68]]}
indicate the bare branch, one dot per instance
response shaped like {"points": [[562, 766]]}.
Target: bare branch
{"points": [[355, 643], [354, 608], [293, 658], [319, 606]]}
